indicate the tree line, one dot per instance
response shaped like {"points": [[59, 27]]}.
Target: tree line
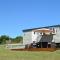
{"points": [[4, 39]]}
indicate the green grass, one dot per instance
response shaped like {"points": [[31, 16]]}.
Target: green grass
{"points": [[6, 54]]}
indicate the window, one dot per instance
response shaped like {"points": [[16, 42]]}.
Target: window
{"points": [[41, 33], [34, 32]]}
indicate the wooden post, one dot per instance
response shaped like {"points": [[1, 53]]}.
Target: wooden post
{"points": [[41, 44], [47, 45]]}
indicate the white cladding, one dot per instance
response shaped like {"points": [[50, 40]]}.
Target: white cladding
{"points": [[56, 37], [36, 36], [27, 37]]}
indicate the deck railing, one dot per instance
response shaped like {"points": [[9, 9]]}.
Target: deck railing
{"points": [[15, 46]]}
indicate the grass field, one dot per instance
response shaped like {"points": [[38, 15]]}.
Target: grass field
{"points": [[6, 54]]}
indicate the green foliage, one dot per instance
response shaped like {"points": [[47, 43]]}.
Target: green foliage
{"points": [[18, 39], [5, 38]]}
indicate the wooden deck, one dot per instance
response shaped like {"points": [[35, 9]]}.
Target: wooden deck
{"points": [[36, 49]]}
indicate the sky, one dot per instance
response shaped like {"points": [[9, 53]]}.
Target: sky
{"points": [[17, 15]]}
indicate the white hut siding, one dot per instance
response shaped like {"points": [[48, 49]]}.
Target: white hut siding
{"points": [[36, 36], [27, 37], [56, 38]]}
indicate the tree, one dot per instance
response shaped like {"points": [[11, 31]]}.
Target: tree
{"points": [[18, 39], [4, 38]]}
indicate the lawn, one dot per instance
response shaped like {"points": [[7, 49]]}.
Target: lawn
{"points": [[6, 54]]}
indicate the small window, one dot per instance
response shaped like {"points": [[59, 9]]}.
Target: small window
{"points": [[53, 29], [50, 28], [41, 33], [34, 32]]}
